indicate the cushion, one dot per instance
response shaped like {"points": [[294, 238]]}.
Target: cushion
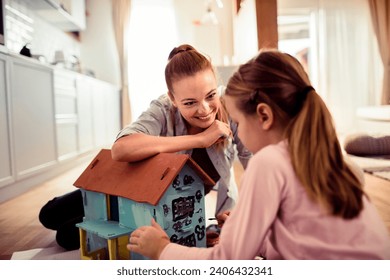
{"points": [[367, 145]]}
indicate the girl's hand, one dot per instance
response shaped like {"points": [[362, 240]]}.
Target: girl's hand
{"points": [[221, 218], [216, 132], [148, 240]]}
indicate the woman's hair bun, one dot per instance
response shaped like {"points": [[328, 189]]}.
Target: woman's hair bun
{"points": [[180, 49]]}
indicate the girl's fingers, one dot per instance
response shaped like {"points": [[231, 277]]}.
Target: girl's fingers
{"points": [[138, 232], [135, 234], [132, 248], [134, 240], [156, 225]]}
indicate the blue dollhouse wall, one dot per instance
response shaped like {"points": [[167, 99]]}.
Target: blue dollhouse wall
{"points": [[180, 212], [95, 209]]}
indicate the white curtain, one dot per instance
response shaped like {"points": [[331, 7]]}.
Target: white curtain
{"points": [[380, 12], [121, 17], [349, 64]]}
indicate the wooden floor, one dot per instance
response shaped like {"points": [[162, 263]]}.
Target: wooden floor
{"points": [[21, 230], [379, 192]]}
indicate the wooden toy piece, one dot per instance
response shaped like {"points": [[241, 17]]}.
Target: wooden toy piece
{"points": [[119, 197]]}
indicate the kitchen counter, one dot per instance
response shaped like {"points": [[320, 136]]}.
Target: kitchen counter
{"points": [[29, 59], [35, 61], [3, 49], [38, 62], [49, 117]]}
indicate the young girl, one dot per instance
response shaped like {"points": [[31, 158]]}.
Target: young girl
{"points": [[298, 198]]}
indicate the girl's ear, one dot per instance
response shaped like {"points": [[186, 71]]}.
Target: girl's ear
{"points": [[172, 98], [265, 115]]}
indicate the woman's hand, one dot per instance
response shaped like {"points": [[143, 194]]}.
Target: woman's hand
{"points": [[216, 132], [149, 241]]}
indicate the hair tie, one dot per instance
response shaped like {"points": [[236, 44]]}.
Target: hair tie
{"points": [[306, 90], [301, 98]]}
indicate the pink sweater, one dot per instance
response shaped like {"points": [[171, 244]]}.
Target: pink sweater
{"points": [[275, 218]]}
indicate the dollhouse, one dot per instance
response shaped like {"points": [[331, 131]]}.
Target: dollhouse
{"points": [[119, 197]]}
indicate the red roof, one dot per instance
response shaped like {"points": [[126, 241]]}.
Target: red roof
{"points": [[142, 181]]}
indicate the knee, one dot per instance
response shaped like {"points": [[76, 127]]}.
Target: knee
{"points": [[47, 217], [61, 209]]}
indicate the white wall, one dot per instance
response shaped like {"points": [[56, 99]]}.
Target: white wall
{"points": [[190, 11], [98, 47], [156, 26], [25, 27]]}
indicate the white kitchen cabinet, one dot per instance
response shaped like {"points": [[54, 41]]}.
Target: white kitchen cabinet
{"points": [[106, 113], [65, 96], [32, 117], [6, 174], [113, 117], [76, 8], [67, 15], [85, 114], [67, 139], [49, 120]]}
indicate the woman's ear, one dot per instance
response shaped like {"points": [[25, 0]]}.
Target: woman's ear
{"points": [[172, 98], [265, 115]]}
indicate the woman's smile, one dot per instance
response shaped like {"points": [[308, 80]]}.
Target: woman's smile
{"points": [[206, 117]]}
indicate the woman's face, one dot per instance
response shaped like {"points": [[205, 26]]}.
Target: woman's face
{"points": [[197, 100]]}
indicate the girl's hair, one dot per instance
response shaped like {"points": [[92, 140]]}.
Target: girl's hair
{"points": [[185, 61], [280, 81]]}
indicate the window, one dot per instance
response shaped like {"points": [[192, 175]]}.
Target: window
{"points": [[152, 35], [342, 53]]}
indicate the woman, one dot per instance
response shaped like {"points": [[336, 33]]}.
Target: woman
{"points": [[189, 119]]}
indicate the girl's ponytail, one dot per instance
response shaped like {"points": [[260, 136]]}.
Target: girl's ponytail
{"points": [[318, 160]]}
